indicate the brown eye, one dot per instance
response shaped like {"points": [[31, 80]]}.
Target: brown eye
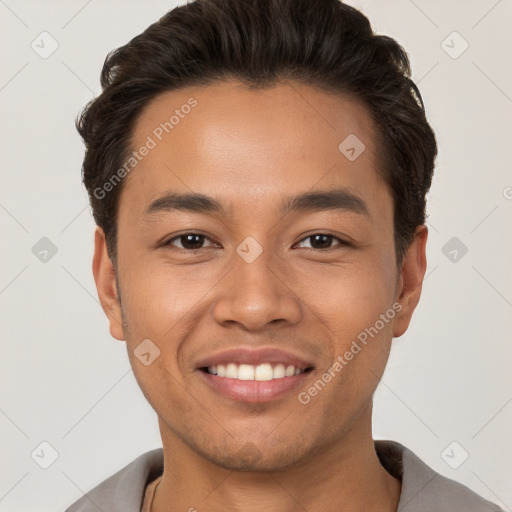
{"points": [[189, 241], [323, 241]]}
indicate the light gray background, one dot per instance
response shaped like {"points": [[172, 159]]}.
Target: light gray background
{"points": [[66, 382]]}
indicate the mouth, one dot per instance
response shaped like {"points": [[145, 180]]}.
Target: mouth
{"points": [[261, 372], [254, 376]]}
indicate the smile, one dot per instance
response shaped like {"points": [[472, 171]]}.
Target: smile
{"points": [[260, 372]]}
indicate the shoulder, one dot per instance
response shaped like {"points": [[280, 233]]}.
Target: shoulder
{"points": [[124, 490], [423, 489]]}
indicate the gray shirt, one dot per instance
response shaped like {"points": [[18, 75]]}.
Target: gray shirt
{"points": [[423, 489]]}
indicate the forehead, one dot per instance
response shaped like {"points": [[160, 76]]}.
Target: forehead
{"points": [[231, 142]]}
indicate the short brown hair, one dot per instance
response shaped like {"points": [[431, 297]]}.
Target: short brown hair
{"points": [[322, 43]]}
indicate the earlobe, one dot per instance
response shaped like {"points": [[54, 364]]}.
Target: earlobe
{"points": [[410, 280], [104, 276]]}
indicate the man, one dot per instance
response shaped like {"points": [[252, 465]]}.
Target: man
{"points": [[257, 170]]}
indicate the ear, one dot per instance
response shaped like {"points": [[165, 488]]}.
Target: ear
{"points": [[104, 276], [410, 280]]}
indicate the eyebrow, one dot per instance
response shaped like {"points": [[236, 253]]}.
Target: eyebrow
{"points": [[196, 203], [324, 200]]}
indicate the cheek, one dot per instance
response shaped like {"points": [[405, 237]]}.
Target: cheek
{"points": [[158, 298], [351, 294], [365, 299], [354, 304], [358, 312], [163, 305]]}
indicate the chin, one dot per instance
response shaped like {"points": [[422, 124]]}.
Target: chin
{"points": [[250, 458]]}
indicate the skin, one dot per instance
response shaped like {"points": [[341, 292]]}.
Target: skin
{"points": [[249, 150]]}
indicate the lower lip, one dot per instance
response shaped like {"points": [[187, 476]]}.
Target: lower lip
{"points": [[254, 391]]}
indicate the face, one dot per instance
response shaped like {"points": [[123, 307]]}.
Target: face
{"points": [[288, 261]]}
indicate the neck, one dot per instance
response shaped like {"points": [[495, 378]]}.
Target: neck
{"points": [[346, 475]]}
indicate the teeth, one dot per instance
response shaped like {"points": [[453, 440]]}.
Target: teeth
{"points": [[279, 371], [231, 371], [261, 372], [264, 372], [245, 372]]}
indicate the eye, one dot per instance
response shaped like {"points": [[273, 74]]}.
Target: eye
{"points": [[323, 241], [189, 241]]}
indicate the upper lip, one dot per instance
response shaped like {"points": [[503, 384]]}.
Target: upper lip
{"points": [[244, 355]]}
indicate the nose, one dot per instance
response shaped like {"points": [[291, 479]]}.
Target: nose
{"points": [[256, 294]]}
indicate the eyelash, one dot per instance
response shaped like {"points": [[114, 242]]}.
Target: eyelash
{"points": [[342, 242]]}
